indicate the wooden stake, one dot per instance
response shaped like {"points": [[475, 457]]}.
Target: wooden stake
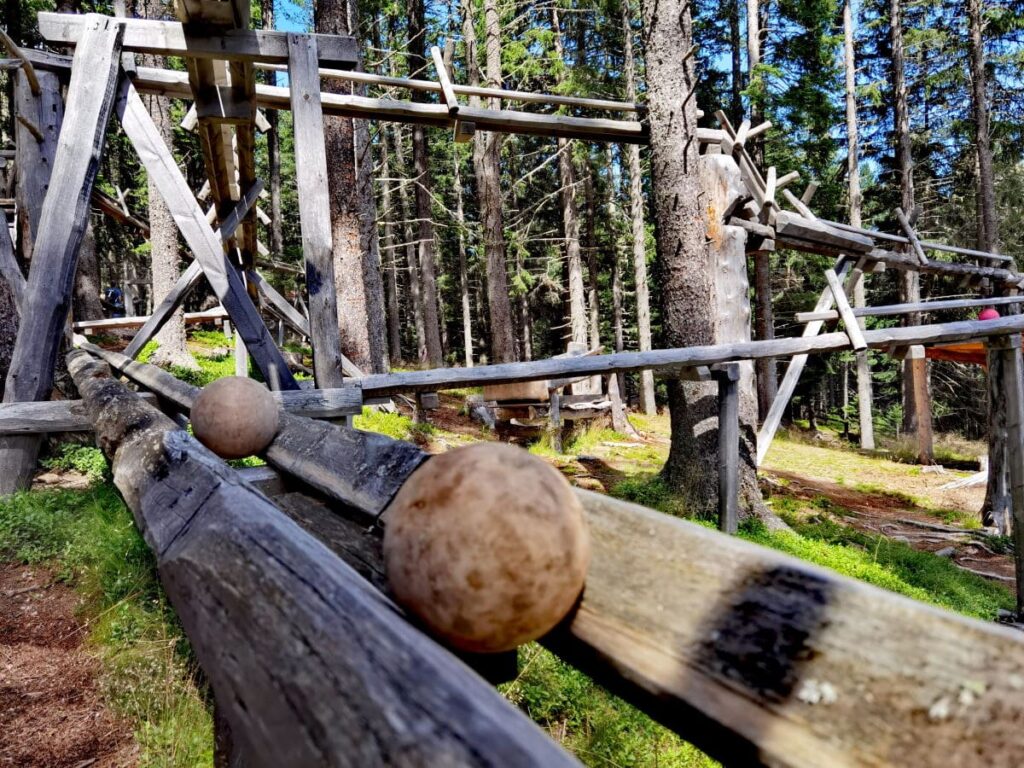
{"points": [[850, 324], [728, 377], [26, 64]]}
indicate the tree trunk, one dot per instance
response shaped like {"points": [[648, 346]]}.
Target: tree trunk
{"points": [[988, 234], [638, 231], [487, 168], [273, 154], [613, 221], [460, 223], [86, 300], [421, 166], [864, 393], [703, 292], [736, 83], [165, 258], [753, 77], [593, 304], [356, 258]]}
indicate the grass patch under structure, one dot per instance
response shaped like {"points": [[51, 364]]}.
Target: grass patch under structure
{"points": [[148, 673]]}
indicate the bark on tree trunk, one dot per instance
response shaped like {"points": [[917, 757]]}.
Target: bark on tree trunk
{"points": [[988, 234], [389, 260], [593, 307], [356, 257], [460, 223], [736, 84], [86, 299], [699, 306], [273, 154], [864, 393], [165, 257], [487, 168], [638, 231], [910, 282], [421, 166]]}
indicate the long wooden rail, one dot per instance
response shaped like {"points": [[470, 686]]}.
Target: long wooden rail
{"points": [[759, 659]]}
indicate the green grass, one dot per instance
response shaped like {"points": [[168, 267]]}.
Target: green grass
{"points": [[148, 674], [79, 458], [601, 729], [393, 425]]}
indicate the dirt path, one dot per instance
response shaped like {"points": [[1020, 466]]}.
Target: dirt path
{"points": [[882, 514], [51, 715]]}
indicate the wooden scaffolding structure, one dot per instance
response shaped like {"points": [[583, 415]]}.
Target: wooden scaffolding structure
{"points": [[754, 656]]}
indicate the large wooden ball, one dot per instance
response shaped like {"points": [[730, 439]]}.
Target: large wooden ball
{"points": [[235, 417], [487, 545]]}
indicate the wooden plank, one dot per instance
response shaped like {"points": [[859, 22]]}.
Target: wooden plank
{"points": [[933, 246], [26, 64], [111, 323], [314, 209], [450, 100], [224, 279], [850, 324], [728, 377], [911, 236], [920, 306], [309, 664], [190, 278], [771, 421], [168, 38], [62, 225], [47, 416], [800, 226]]}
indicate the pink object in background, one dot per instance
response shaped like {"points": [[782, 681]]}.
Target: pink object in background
{"points": [[988, 314]]}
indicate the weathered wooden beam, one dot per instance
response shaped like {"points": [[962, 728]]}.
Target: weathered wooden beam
{"points": [[800, 226], [31, 127], [223, 277], [771, 421], [908, 230], [929, 245], [728, 377], [363, 470], [314, 209], [850, 324], [920, 306], [168, 38], [309, 664], [450, 99], [118, 212], [110, 323], [47, 416], [62, 225]]}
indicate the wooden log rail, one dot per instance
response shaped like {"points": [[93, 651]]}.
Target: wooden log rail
{"points": [[754, 656], [934, 305], [309, 664], [113, 323]]}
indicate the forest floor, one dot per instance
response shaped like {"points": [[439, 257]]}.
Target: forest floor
{"points": [[95, 670]]}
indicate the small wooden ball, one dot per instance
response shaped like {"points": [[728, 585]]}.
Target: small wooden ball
{"points": [[235, 417], [488, 545]]}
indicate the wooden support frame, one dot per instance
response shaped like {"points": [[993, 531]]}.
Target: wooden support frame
{"points": [[850, 324], [443, 79], [887, 310], [62, 224], [793, 371], [1009, 350], [9, 269], [908, 230], [922, 403], [223, 276], [26, 63], [314, 209]]}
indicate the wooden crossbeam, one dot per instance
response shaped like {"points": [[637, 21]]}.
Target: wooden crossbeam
{"points": [[796, 367], [908, 230], [450, 100], [118, 212], [190, 278], [850, 323], [223, 277], [168, 38], [920, 306]]}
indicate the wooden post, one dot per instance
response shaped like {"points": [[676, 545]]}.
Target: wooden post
{"points": [[555, 422], [241, 357], [223, 276], [922, 404], [998, 492], [1013, 382], [62, 225], [728, 377], [314, 208]]}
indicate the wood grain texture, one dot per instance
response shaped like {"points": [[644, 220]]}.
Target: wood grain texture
{"points": [[850, 323], [62, 224], [46, 416], [168, 38], [800, 227], [309, 664], [314, 209], [223, 277], [10, 272], [921, 306]]}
